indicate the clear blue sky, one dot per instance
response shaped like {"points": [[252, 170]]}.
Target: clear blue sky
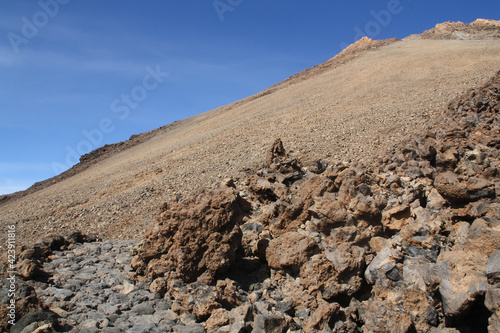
{"points": [[78, 74]]}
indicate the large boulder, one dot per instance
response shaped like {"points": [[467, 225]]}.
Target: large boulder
{"points": [[195, 238]]}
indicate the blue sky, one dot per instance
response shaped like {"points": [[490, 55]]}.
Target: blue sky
{"points": [[76, 74]]}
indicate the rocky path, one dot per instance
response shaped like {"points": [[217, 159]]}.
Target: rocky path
{"points": [[90, 290]]}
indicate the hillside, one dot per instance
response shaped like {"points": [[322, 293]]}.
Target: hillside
{"points": [[359, 103]]}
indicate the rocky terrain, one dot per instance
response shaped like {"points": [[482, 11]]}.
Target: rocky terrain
{"points": [[360, 195], [406, 241], [355, 105], [480, 29]]}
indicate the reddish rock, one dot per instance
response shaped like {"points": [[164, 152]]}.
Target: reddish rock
{"points": [[194, 237], [452, 188], [289, 251], [395, 218], [320, 317]]}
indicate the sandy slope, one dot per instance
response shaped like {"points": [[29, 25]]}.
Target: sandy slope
{"points": [[342, 112]]}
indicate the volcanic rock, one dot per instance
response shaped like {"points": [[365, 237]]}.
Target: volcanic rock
{"points": [[194, 238]]}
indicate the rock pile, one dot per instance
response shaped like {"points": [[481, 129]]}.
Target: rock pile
{"points": [[410, 243]]}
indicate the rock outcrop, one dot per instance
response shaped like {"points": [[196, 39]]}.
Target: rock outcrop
{"points": [[196, 238]]}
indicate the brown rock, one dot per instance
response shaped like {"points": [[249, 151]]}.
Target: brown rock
{"points": [[266, 190], [27, 301], [206, 301], [383, 316], [377, 244], [447, 159], [395, 218], [494, 322], [159, 286], [218, 318], [368, 208], [335, 275], [315, 186], [35, 253], [228, 293], [330, 213], [435, 200], [454, 190], [398, 309], [289, 251], [320, 317], [276, 153], [195, 238], [28, 269]]}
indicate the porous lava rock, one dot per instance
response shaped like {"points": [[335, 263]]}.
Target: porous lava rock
{"points": [[195, 238]]}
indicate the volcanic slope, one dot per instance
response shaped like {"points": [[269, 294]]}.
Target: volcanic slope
{"points": [[366, 99]]}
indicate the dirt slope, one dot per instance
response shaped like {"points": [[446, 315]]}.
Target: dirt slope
{"points": [[373, 97]]}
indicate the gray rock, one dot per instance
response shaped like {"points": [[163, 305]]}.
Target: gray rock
{"points": [[122, 323], [85, 276], [384, 266], [139, 296], [145, 319], [89, 323], [117, 298], [73, 284], [35, 317], [142, 328], [270, 323], [241, 314], [165, 327], [168, 315], [302, 313], [58, 262], [107, 309], [391, 271], [88, 265], [455, 302], [262, 307], [252, 226], [107, 246], [61, 294], [161, 305], [493, 268], [111, 330], [114, 279], [143, 309], [227, 329], [187, 318], [492, 298], [194, 328], [89, 330]]}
